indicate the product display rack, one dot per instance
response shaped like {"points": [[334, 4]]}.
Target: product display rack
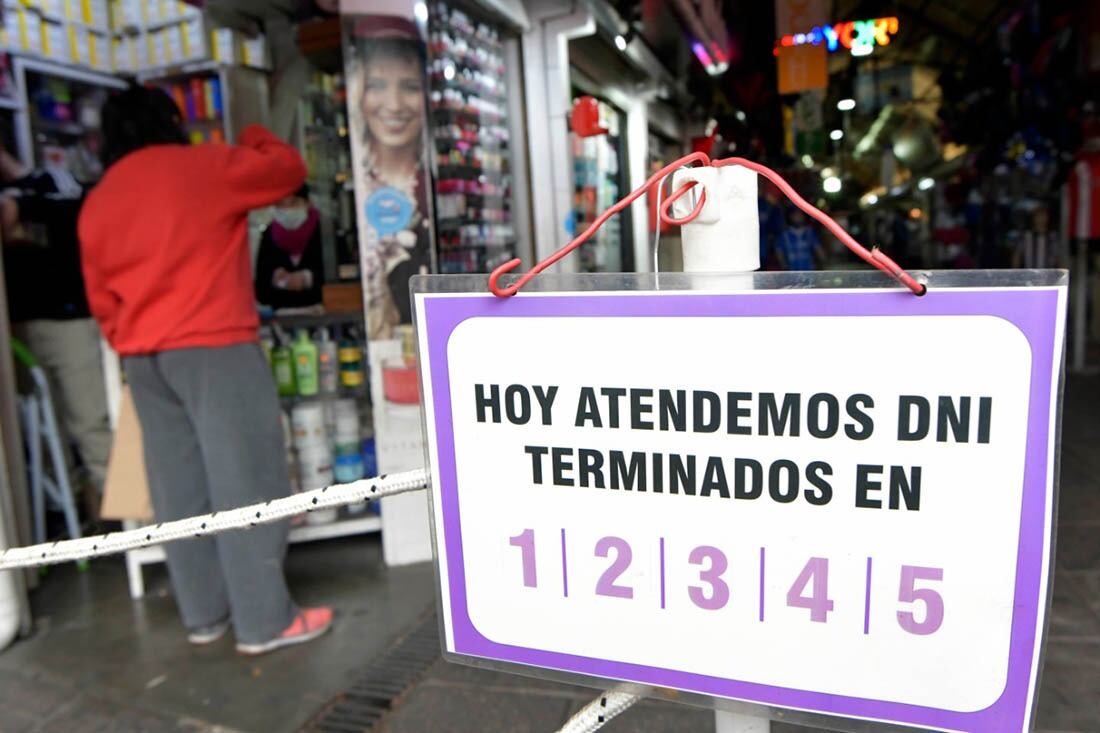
{"points": [[217, 101], [34, 126], [219, 90], [472, 142], [323, 139]]}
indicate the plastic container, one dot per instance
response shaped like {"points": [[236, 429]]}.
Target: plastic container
{"points": [[351, 363], [307, 422], [315, 467], [348, 468], [400, 382], [305, 365], [346, 422], [328, 364], [282, 368]]}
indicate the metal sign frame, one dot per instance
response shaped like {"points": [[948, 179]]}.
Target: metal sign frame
{"points": [[1033, 301]]}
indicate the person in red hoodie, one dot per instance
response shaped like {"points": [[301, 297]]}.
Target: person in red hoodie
{"points": [[165, 257]]}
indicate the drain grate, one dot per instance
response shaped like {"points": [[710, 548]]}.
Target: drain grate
{"points": [[359, 708]]}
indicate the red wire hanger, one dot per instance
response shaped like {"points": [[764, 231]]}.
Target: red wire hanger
{"points": [[874, 257]]}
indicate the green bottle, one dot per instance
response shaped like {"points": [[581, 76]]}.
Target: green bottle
{"points": [[305, 364], [282, 368]]}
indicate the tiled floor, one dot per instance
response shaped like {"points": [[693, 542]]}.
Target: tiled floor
{"points": [[99, 662]]}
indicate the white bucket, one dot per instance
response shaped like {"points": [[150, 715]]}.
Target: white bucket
{"points": [[308, 422]]}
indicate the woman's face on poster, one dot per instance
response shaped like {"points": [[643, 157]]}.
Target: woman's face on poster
{"points": [[393, 101]]}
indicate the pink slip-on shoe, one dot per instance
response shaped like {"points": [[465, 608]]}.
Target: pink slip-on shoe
{"points": [[306, 626]]}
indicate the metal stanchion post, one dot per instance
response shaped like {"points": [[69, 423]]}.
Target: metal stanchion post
{"points": [[724, 238]]}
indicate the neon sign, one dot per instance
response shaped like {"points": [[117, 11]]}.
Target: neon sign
{"points": [[858, 36], [716, 61]]}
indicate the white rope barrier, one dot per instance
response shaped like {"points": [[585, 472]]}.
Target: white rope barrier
{"points": [[590, 718], [201, 526], [597, 713]]}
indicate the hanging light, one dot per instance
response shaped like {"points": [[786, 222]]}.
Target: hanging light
{"points": [[836, 134], [620, 43], [925, 183], [832, 184], [807, 161], [846, 105]]}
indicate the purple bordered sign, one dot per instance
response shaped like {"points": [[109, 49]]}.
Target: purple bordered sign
{"points": [[816, 494]]}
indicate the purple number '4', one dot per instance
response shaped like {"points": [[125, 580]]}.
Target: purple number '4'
{"points": [[816, 570], [605, 586], [719, 591], [933, 601], [525, 541]]}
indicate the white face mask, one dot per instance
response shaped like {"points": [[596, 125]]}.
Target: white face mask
{"points": [[291, 218]]}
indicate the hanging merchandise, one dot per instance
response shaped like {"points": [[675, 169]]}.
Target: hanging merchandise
{"points": [[471, 136]]}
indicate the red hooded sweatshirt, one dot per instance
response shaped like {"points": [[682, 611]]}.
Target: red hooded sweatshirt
{"points": [[164, 241]]}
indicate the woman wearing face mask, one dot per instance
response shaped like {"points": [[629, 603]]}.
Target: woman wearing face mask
{"points": [[388, 82], [289, 271]]}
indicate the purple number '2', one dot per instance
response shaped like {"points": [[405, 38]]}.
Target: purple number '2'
{"points": [[933, 601], [525, 541], [605, 586], [816, 570], [719, 591]]}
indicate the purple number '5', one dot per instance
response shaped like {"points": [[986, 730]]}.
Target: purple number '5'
{"points": [[933, 601], [605, 586]]}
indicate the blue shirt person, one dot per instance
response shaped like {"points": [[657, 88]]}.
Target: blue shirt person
{"points": [[799, 244]]}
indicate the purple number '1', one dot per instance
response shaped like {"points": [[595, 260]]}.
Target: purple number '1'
{"points": [[719, 591], [525, 541], [817, 570], [605, 586], [933, 601]]}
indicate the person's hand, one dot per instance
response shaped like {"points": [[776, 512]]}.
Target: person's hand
{"points": [[297, 280], [279, 278], [284, 280]]}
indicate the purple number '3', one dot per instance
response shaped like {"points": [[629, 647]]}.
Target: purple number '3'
{"points": [[719, 591], [605, 586]]}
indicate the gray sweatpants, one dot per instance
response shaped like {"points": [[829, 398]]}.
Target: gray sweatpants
{"points": [[210, 423]]}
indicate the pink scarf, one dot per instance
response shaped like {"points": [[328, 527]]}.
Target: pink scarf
{"points": [[294, 241]]}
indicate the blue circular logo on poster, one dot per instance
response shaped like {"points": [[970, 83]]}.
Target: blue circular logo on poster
{"points": [[389, 211]]}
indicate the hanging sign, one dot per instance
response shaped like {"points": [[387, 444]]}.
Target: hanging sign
{"points": [[836, 501], [801, 68]]}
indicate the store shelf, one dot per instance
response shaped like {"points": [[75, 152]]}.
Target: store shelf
{"points": [[59, 128], [186, 68], [311, 320]]}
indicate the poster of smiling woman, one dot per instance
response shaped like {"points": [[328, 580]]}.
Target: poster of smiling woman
{"points": [[385, 59], [387, 106]]}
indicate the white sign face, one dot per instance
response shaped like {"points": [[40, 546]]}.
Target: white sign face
{"points": [[835, 501]]}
